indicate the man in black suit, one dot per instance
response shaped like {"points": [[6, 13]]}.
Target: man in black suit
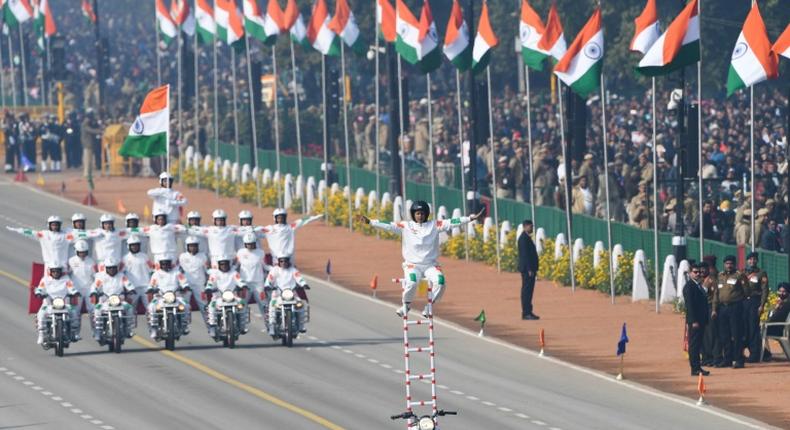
{"points": [[528, 266], [697, 315]]}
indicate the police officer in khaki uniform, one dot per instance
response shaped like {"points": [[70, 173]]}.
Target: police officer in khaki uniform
{"points": [[711, 347], [756, 294], [728, 299]]}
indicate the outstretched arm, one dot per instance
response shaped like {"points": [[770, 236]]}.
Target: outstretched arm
{"points": [[387, 226], [33, 234], [449, 224], [304, 221]]}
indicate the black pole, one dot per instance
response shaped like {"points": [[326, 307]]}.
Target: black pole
{"points": [[99, 55], [394, 128], [473, 121], [679, 239]]}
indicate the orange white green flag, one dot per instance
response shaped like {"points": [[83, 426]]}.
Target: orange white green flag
{"points": [[581, 66], [752, 58], [678, 47], [530, 31], [485, 41], [148, 134]]}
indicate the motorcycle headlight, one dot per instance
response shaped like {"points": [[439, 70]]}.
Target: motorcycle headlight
{"points": [[58, 303], [181, 308], [114, 300], [228, 296], [426, 423], [169, 297], [299, 304], [287, 295]]}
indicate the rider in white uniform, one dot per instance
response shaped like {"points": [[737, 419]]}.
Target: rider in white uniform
{"points": [[222, 279], [107, 240], [252, 266], [284, 276], [163, 237], [280, 235], [166, 199], [245, 226], [54, 242], [82, 270], [194, 264], [111, 281], [138, 268], [133, 227], [78, 222], [52, 286], [221, 237], [165, 278], [193, 220]]}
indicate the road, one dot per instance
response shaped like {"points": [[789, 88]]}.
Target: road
{"points": [[346, 373]]}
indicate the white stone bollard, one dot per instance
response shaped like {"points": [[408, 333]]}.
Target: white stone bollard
{"points": [[276, 177], [225, 170], [206, 162], [488, 228], [598, 254], [471, 231], [386, 200], [245, 173], [578, 246], [196, 160], [346, 191], [299, 188], [558, 244], [322, 191], [189, 153], [288, 192], [669, 290], [504, 230], [456, 214], [373, 198], [639, 286], [617, 252], [309, 200], [256, 173], [540, 239], [358, 196], [234, 172], [441, 213], [683, 276], [335, 188], [267, 177], [397, 209]]}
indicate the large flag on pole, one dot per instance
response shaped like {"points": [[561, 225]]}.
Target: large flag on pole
{"points": [[430, 52], [206, 28], [677, 47], [385, 20], [44, 23], [148, 134], [87, 12], [273, 22], [782, 44], [646, 28], [485, 41], [345, 25], [167, 27], [530, 31], [182, 16], [457, 46], [417, 41], [580, 68], [294, 23], [230, 28], [752, 59], [16, 12], [553, 38], [318, 33], [253, 20]]}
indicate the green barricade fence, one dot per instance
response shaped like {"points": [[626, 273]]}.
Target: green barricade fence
{"points": [[551, 219]]}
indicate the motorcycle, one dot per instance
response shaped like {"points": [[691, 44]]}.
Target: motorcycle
{"points": [[424, 422], [289, 315], [113, 324], [232, 317], [170, 317], [57, 331]]}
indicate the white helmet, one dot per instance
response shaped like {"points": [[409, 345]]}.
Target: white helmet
{"points": [[219, 213], [249, 237], [81, 246], [106, 218], [158, 212], [193, 214], [191, 240], [79, 216], [55, 218], [110, 262], [133, 240], [278, 212], [165, 175], [131, 216], [245, 214]]}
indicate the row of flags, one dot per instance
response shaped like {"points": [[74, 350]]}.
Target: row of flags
{"points": [[16, 12]]}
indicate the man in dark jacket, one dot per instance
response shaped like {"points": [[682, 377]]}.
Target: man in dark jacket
{"points": [[697, 315], [528, 266]]}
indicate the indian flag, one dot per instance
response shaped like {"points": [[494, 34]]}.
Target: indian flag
{"points": [[182, 16], [782, 44], [16, 12], [44, 23], [553, 38], [253, 20], [646, 28], [752, 59], [318, 33], [580, 68], [431, 55], [230, 28], [385, 19], [167, 27], [294, 23], [87, 11], [484, 41], [416, 41], [345, 26], [273, 22], [530, 31], [677, 47], [206, 28], [148, 134], [457, 48]]}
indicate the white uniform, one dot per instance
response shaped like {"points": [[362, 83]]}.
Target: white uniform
{"points": [[82, 272], [244, 229], [105, 286], [284, 279], [143, 240], [221, 240], [167, 281], [163, 240], [54, 245], [251, 269], [420, 249], [222, 281], [167, 200], [57, 288], [108, 243], [194, 268], [138, 269], [80, 234], [280, 237]]}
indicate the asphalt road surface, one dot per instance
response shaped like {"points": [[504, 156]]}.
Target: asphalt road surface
{"points": [[346, 372]]}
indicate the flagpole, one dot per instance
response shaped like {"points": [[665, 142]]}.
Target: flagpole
{"points": [[2, 81], [699, 146], [606, 184], [325, 137], [195, 49], [13, 68], [655, 197], [41, 80], [529, 147], [276, 126], [296, 111], [167, 135], [493, 169], [235, 97], [568, 177], [49, 68], [430, 144], [179, 43], [461, 147], [24, 67], [252, 118], [158, 60], [345, 134], [401, 145], [215, 114], [377, 85], [751, 167]]}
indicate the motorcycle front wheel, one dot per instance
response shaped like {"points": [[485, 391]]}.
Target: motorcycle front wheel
{"points": [[170, 336], [59, 343], [230, 331], [117, 335], [288, 339]]}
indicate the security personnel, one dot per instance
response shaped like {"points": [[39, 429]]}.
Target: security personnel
{"points": [[756, 293], [711, 347], [729, 301]]}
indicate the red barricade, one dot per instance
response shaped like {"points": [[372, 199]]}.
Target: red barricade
{"points": [[36, 273]]}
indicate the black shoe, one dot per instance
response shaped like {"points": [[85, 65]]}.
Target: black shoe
{"points": [[753, 360], [720, 365], [530, 317], [708, 363], [737, 365], [700, 371]]}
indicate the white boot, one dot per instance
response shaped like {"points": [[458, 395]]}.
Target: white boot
{"points": [[403, 310], [40, 339]]}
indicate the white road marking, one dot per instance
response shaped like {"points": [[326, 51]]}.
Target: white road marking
{"points": [[19, 378], [456, 392], [538, 423], [76, 411], [504, 409], [66, 404], [373, 360], [57, 398], [360, 356], [46, 393], [37, 388], [487, 403], [520, 415], [472, 398], [386, 366], [28, 383], [86, 417]]}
